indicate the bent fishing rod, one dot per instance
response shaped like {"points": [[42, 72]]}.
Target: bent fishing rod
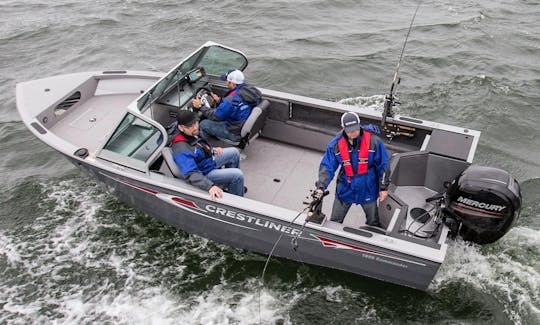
{"points": [[390, 100]]}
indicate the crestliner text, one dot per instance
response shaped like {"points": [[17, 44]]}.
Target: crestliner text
{"points": [[252, 220]]}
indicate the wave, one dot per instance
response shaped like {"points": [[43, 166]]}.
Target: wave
{"points": [[87, 258], [375, 102], [507, 270]]}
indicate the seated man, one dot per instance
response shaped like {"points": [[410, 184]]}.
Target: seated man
{"points": [[199, 162], [227, 119]]}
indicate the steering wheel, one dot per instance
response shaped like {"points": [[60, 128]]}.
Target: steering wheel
{"points": [[206, 99]]}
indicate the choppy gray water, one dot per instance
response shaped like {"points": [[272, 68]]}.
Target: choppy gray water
{"points": [[70, 253]]}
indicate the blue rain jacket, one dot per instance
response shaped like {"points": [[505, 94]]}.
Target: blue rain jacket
{"points": [[362, 188], [194, 163]]}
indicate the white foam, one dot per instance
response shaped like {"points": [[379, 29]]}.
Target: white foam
{"points": [[375, 102], [9, 250], [148, 306], [133, 293], [64, 238], [225, 305], [500, 270]]}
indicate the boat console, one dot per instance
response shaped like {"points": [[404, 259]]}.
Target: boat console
{"points": [[428, 189], [416, 177]]}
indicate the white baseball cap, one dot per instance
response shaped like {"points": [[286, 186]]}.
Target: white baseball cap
{"points": [[235, 76]]}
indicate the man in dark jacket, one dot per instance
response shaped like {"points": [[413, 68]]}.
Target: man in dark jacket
{"points": [[199, 162], [363, 173], [227, 119]]}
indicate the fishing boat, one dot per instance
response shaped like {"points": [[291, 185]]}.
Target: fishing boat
{"points": [[113, 126]]}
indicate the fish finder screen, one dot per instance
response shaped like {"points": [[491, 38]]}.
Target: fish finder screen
{"points": [[195, 75]]}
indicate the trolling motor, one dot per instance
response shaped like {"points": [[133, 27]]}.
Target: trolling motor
{"points": [[315, 214]]}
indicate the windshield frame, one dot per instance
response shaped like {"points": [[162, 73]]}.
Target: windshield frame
{"points": [[176, 77], [128, 161]]}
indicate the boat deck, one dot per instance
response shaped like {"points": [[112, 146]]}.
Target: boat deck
{"points": [[275, 172], [94, 120], [283, 174]]}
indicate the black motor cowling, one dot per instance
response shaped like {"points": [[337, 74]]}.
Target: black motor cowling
{"points": [[485, 202]]}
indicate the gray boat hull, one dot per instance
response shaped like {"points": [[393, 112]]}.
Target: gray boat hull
{"points": [[258, 233]]}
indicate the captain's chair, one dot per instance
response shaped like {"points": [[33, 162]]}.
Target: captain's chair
{"points": [[169, 164], [251, 128]]}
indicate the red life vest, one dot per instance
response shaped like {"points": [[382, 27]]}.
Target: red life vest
{"points": [[363, 155], [207, 149], [178, 138]]}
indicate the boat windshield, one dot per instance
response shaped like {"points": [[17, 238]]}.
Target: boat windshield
{"points": [[215, 60], [134, 138]]}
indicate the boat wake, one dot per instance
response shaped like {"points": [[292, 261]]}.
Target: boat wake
{"points": [[375, 102], [507, 272], [88, 258], [85, 257]]}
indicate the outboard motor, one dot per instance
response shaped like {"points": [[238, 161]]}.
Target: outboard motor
{"points": [[484, 202]]}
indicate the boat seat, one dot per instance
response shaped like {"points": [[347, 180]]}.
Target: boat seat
{"points": [[169, 160], [251, 128]]}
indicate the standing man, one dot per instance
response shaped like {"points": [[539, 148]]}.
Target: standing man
{"points": [[363, 175], [199, 162], [227, 119]]}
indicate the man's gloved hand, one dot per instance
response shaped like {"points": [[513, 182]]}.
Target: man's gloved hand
{"points": [[317, 194]]}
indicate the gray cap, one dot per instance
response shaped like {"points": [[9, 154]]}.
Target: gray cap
{"points": [[350, 122]]}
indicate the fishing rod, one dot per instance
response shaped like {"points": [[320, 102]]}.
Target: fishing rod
{"points": [[390, 99]]}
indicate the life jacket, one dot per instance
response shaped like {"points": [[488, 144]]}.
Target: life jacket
{"points": [[207, 149], [178, 138], [363, 155], [231, 93]]}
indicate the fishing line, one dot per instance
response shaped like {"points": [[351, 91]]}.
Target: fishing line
{"points": [[405, 43], [272, 252], [294, 240], [314, 207]]}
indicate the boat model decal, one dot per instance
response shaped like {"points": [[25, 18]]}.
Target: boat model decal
{"points": [[178, 201], [185, 202], [193, 208], [326, 242], [235, 215], [144, 189], [175, 199], [366, 253], [246, 218]]}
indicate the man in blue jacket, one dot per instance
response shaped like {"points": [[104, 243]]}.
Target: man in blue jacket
{"points": [[363, 174], [227, 119], [199, 162]]}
